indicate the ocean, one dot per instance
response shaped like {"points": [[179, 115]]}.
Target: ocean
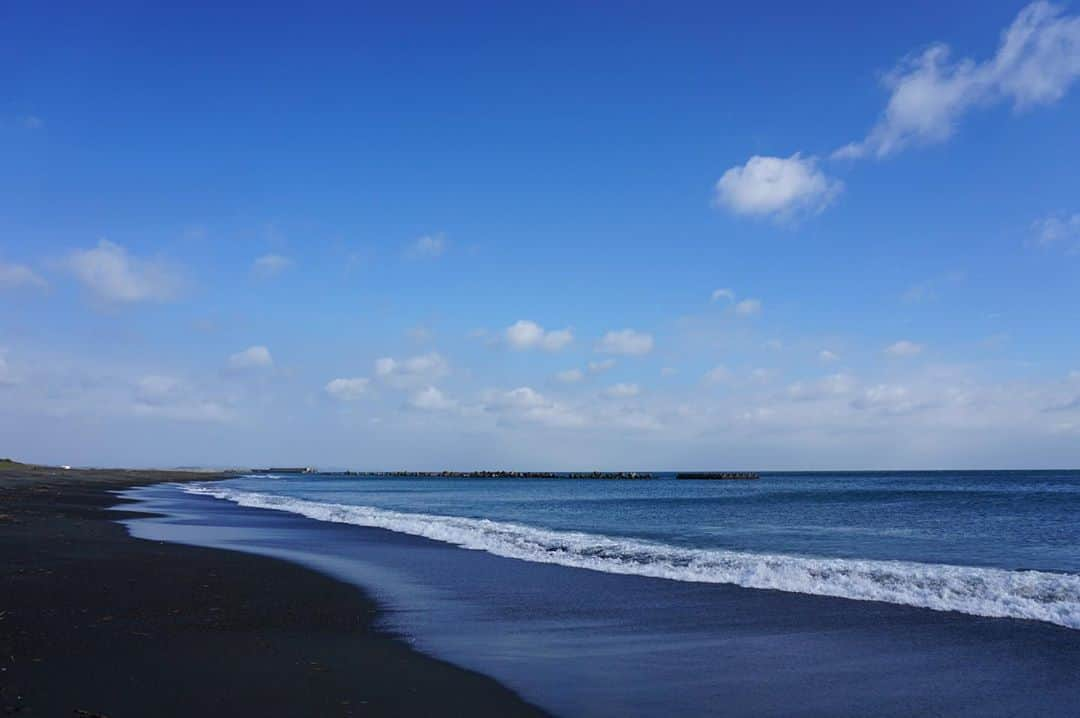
{"points": [[645, 597]]}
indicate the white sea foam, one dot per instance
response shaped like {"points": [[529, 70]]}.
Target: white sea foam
{"points": [[1000, 593]]}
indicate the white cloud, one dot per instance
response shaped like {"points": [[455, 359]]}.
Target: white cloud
{"points": [[725, 293], [201, 411], [431, 399], [669, 371], [826, 355], [18, 276], [402, 373], [271, 265], [347, 389], [526, 405], [903, 348], [255, 357], [523, 397], [889, 399], [622, 391], [113, 275], [170, 398], [524, 334], [625, 341], [570, 376], [31, 122], [156, 389], [831, 386], [1054, 230], [384, 366], [776, 186], [1037, 61], [598, 367], [429, 246], [748, 308]]}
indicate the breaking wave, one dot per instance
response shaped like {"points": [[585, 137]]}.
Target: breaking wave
{"points": [[992, 592]]}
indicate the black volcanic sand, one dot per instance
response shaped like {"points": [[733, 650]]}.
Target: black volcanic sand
{"points": [[94, 622]]}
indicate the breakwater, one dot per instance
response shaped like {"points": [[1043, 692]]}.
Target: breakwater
{"points": [[519, 474], [481, 474], [718, 475], [611, 475]]}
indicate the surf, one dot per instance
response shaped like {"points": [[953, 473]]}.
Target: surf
{"points": [[978, 591]]}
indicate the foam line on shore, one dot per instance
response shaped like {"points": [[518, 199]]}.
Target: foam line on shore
{"points": [[991, 592]]}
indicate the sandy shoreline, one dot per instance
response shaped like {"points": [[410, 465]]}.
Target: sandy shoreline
{"points": [[95, 621]]}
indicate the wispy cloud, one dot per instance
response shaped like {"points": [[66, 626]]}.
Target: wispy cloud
{"points": [[168, 397], [930, 289], [904, 348], [1057, 230], [570, 376], [113, 275], [622, 391], [1037, 61], [748, 308], [7, 375], [717, 375], [429, 246], [831, 386], [270, 265], [625, 341], [601, 365], [19, 276], [254, 357]]}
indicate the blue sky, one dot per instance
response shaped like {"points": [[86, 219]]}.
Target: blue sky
{"points": [[635, 236]]}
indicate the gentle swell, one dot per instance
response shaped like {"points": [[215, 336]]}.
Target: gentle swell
{"points": [[1036, 595]]}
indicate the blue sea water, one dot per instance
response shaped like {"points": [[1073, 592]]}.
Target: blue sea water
{"points": [[669, 614], [1003, 543]]}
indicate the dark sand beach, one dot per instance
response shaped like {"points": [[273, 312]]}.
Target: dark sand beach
{"points": [[94, 622]]}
